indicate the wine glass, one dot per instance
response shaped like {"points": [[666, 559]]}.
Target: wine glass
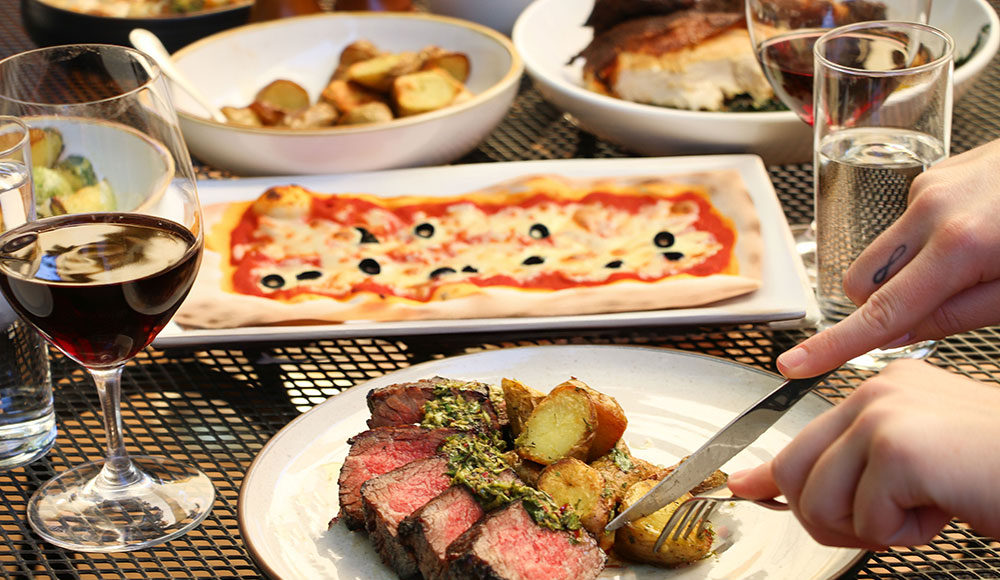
{"points": [[102, 269], [783, 33]]}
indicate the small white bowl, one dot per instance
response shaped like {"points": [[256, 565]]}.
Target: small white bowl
{"points": [[500, 15], [550, 32], [230, 67]]}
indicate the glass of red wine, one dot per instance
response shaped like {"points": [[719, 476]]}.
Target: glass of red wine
{"points": [[110, 255], [783, 33]]}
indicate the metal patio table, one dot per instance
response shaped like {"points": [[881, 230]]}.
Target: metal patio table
{"points": [[217, 406]]}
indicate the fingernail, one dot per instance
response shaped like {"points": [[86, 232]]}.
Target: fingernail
{"points": [[906, 338], [737, 476], [792, 359]]}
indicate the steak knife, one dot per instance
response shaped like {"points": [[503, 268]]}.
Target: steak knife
{"points": [[733, 438]]}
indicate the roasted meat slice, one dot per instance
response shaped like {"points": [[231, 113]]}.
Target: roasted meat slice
{"points": [[429, 530], [508, 544], [379, 451], [390, 497], [404, 403]]}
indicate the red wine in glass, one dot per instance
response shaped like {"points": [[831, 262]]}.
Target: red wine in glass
{"points": [[787, 62], [98, 286]]}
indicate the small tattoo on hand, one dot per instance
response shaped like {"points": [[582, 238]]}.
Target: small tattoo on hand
{"points": [[883, 272]]}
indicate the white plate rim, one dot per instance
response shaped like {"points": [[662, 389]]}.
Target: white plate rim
{"points": [[274, 453], [784, 295]]}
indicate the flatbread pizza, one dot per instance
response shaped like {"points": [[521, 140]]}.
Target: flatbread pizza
{"points": [[541, 245]]}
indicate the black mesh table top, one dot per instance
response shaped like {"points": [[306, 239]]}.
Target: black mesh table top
{"points": [[217, 407]]}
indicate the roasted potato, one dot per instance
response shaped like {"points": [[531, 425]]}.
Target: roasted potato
{"points": [[635, 540], [244, 116], [454, 63], [611, 420], [527, 471], [716, 479], [374, 112], [357, 51], [562, 425], [574, 483], [322, 114], [520, 400], [345, 95], [424, 91], [379, 73], [284, 95], [621, 470]]}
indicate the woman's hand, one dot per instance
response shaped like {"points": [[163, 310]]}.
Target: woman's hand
{"points": [[934, 272], [891, 464]]}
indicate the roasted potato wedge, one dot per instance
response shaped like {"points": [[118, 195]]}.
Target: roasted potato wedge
{"points": [[562, 425], [574, 483], [374, 112], [424, 91], [621, 470], [284, 95], [244, 116], [322, 114], [379, 73], [454, 63], [520, 400], [635, 540], [345, 95], [717, 478], [357, 51], [611, 420], [527, 471]]}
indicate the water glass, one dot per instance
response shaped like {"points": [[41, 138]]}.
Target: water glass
{"points": [[883, 102], [27, 420]]}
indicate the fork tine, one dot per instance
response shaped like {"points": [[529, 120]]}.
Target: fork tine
{"points": [[691, 517]]}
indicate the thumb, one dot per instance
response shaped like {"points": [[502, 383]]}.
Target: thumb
{"points": [[756, 483]]}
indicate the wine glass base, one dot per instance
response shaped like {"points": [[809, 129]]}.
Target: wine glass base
{"points": [[804, 236], [74, 511]]}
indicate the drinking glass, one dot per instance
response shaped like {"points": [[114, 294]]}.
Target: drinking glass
{"points": [[100, 284], [883, 102], [783, 33]]}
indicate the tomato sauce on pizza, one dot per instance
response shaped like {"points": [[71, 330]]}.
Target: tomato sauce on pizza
{"points": [[340, 245]]}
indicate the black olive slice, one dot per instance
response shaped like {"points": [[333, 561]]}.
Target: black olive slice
{"points": [[308, 275], [470, 270], [539, 232], [272, 281], [673, 256], [664, 240], [424, 230], [614, 264], [533, 260], [366, 236], [442, 272], [369, 266]]}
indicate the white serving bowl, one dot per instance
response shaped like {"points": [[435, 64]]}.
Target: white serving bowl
{"points": [[500, 15], [137, 168], [230, 67], [550, 32]]}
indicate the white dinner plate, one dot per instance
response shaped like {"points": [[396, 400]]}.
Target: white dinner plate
{"points": [[674, 401], [783, 296]]}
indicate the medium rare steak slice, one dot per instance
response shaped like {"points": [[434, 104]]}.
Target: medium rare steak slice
{"points": [[390, 497], [404, 403], [379, 451], [507, 544]]}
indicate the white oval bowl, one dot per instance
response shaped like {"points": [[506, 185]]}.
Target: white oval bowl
{"points": [[550, 32], [230, 67]]}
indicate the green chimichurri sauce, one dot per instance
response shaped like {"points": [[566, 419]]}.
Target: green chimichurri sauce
{"points": [[450, 409]]}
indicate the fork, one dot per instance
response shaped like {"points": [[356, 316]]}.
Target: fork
{"points": [[691, 517]]}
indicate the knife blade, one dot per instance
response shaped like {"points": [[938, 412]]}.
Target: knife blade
{"points": [[730, 440]]}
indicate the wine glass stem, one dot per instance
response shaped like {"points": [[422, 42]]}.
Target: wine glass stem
{"points": [[118, 471]]}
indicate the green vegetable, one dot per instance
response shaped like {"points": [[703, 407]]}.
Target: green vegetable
{"points": [[182, 6], [78, 171], [49, 183], [46, 146]]}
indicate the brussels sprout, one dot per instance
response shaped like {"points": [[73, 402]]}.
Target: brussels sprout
{"points": [[46, 146], [78, 171], [49, 183], [91, 198]]}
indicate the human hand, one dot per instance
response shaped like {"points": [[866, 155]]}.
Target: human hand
{"points": [[891, 464], [933, 273]]}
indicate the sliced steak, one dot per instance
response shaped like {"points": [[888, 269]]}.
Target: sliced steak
{"points": [[390, 497], [404, 403], [507, 544], [379, 451]]}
